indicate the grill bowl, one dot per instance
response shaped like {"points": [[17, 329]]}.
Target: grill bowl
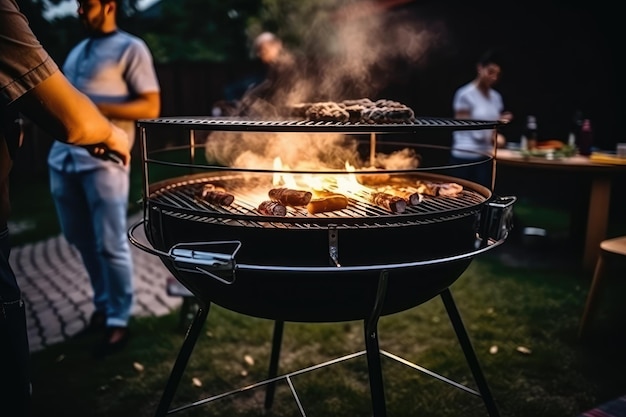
{"points": [[325, 297], [284, 265]]}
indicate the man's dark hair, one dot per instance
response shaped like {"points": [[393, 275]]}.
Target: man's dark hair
{"points": [[120, 7], [491, 56]]}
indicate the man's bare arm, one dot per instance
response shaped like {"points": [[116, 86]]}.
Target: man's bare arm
{"points": [[68, 115], [144, 106]]}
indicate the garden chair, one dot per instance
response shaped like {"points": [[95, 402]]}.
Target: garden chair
{"points": [[609, 249]]}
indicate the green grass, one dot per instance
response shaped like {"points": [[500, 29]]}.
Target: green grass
{"points": [[500, 306]]}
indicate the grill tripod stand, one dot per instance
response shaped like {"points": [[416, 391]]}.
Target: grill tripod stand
{"points": [[372, 352]]}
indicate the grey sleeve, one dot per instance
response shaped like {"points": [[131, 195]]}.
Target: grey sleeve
{"points": [[25, 63]]}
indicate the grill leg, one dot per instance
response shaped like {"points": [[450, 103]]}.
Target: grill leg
{"points": [[468, 350], [277, 339], [372, 350], [181, 361]]}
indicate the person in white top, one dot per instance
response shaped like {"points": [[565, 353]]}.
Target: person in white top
{"points": [[115, 70], [477, 100]]}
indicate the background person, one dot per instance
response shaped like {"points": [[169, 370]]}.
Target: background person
{"points": [[115, 70], [478, 100], [31, 83], [280, 85]]}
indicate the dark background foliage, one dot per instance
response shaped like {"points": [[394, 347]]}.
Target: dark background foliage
{"points": [[561, 56]]}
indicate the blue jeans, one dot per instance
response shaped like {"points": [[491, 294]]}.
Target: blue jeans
{"points": [[92, 210], [15, 388]]}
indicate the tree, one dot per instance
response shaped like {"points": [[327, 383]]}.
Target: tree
{"points": [[198, 30], [60, 34]]}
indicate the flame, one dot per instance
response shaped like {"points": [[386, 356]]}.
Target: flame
{"points": [[283, 179], [278, 165], [348, 183], [345, 183], [314, 182]]}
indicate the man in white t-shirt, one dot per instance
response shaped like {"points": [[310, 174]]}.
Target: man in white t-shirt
{"points": [[477, 100], [115, 70]]}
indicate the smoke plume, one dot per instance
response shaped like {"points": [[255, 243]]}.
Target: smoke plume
{"points": [[350, 53]]}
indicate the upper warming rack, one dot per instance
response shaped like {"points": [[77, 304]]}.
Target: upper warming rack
{"points": [[299, 125]]}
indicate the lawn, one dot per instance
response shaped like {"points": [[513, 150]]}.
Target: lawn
{"points": [[522, 322]]}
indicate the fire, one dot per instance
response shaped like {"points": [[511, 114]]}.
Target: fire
{"points": [[283, 179], [352, 184], [340, 183], [325, 191], [349, 183]]}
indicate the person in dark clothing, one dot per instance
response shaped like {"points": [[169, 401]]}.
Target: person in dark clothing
{"points": [[31, 84], [281, 85]]}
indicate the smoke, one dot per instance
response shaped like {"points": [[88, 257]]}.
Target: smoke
{"points": [[296, 151], [300, 152], [402, 159], [360, 52], [352, 53]]}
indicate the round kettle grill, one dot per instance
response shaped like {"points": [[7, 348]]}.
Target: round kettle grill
{"points": [[357, 263]]}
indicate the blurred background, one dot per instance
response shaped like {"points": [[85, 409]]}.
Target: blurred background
{"points": [[561, 57]]}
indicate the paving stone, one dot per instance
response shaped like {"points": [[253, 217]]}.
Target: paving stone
{"points": [[57, 292], [52, 329], [74, 326], [85, 308], [68, 312], [76, 296]]}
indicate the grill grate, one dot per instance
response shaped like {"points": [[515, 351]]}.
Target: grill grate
{"points": [[299, 125], [177, 198]]}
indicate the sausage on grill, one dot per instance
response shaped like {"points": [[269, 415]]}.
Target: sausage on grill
{"points": [[392, 203], [412, 198], [216, 195], [439, 188], [450, 189], [330, 202], [272, 208], [289, 197]]}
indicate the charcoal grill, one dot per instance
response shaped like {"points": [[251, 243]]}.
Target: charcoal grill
{"points": [[358, 263]]}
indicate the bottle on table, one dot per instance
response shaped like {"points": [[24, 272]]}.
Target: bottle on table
{"points": [[576, 125], [571, 139], [523, 143], [530, 133], [585, 140]]}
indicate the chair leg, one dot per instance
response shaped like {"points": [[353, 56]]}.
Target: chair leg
{"points": [[591, 303]]}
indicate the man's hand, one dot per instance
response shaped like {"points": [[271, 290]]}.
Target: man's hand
{"points": [[114, 148], [506, 117], [500, 140]]}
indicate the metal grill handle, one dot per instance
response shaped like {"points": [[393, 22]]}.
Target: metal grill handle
{"points": [[497, 218], [190, 257]]}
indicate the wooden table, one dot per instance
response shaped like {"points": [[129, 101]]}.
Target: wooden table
{"points": [[600, 174]]}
